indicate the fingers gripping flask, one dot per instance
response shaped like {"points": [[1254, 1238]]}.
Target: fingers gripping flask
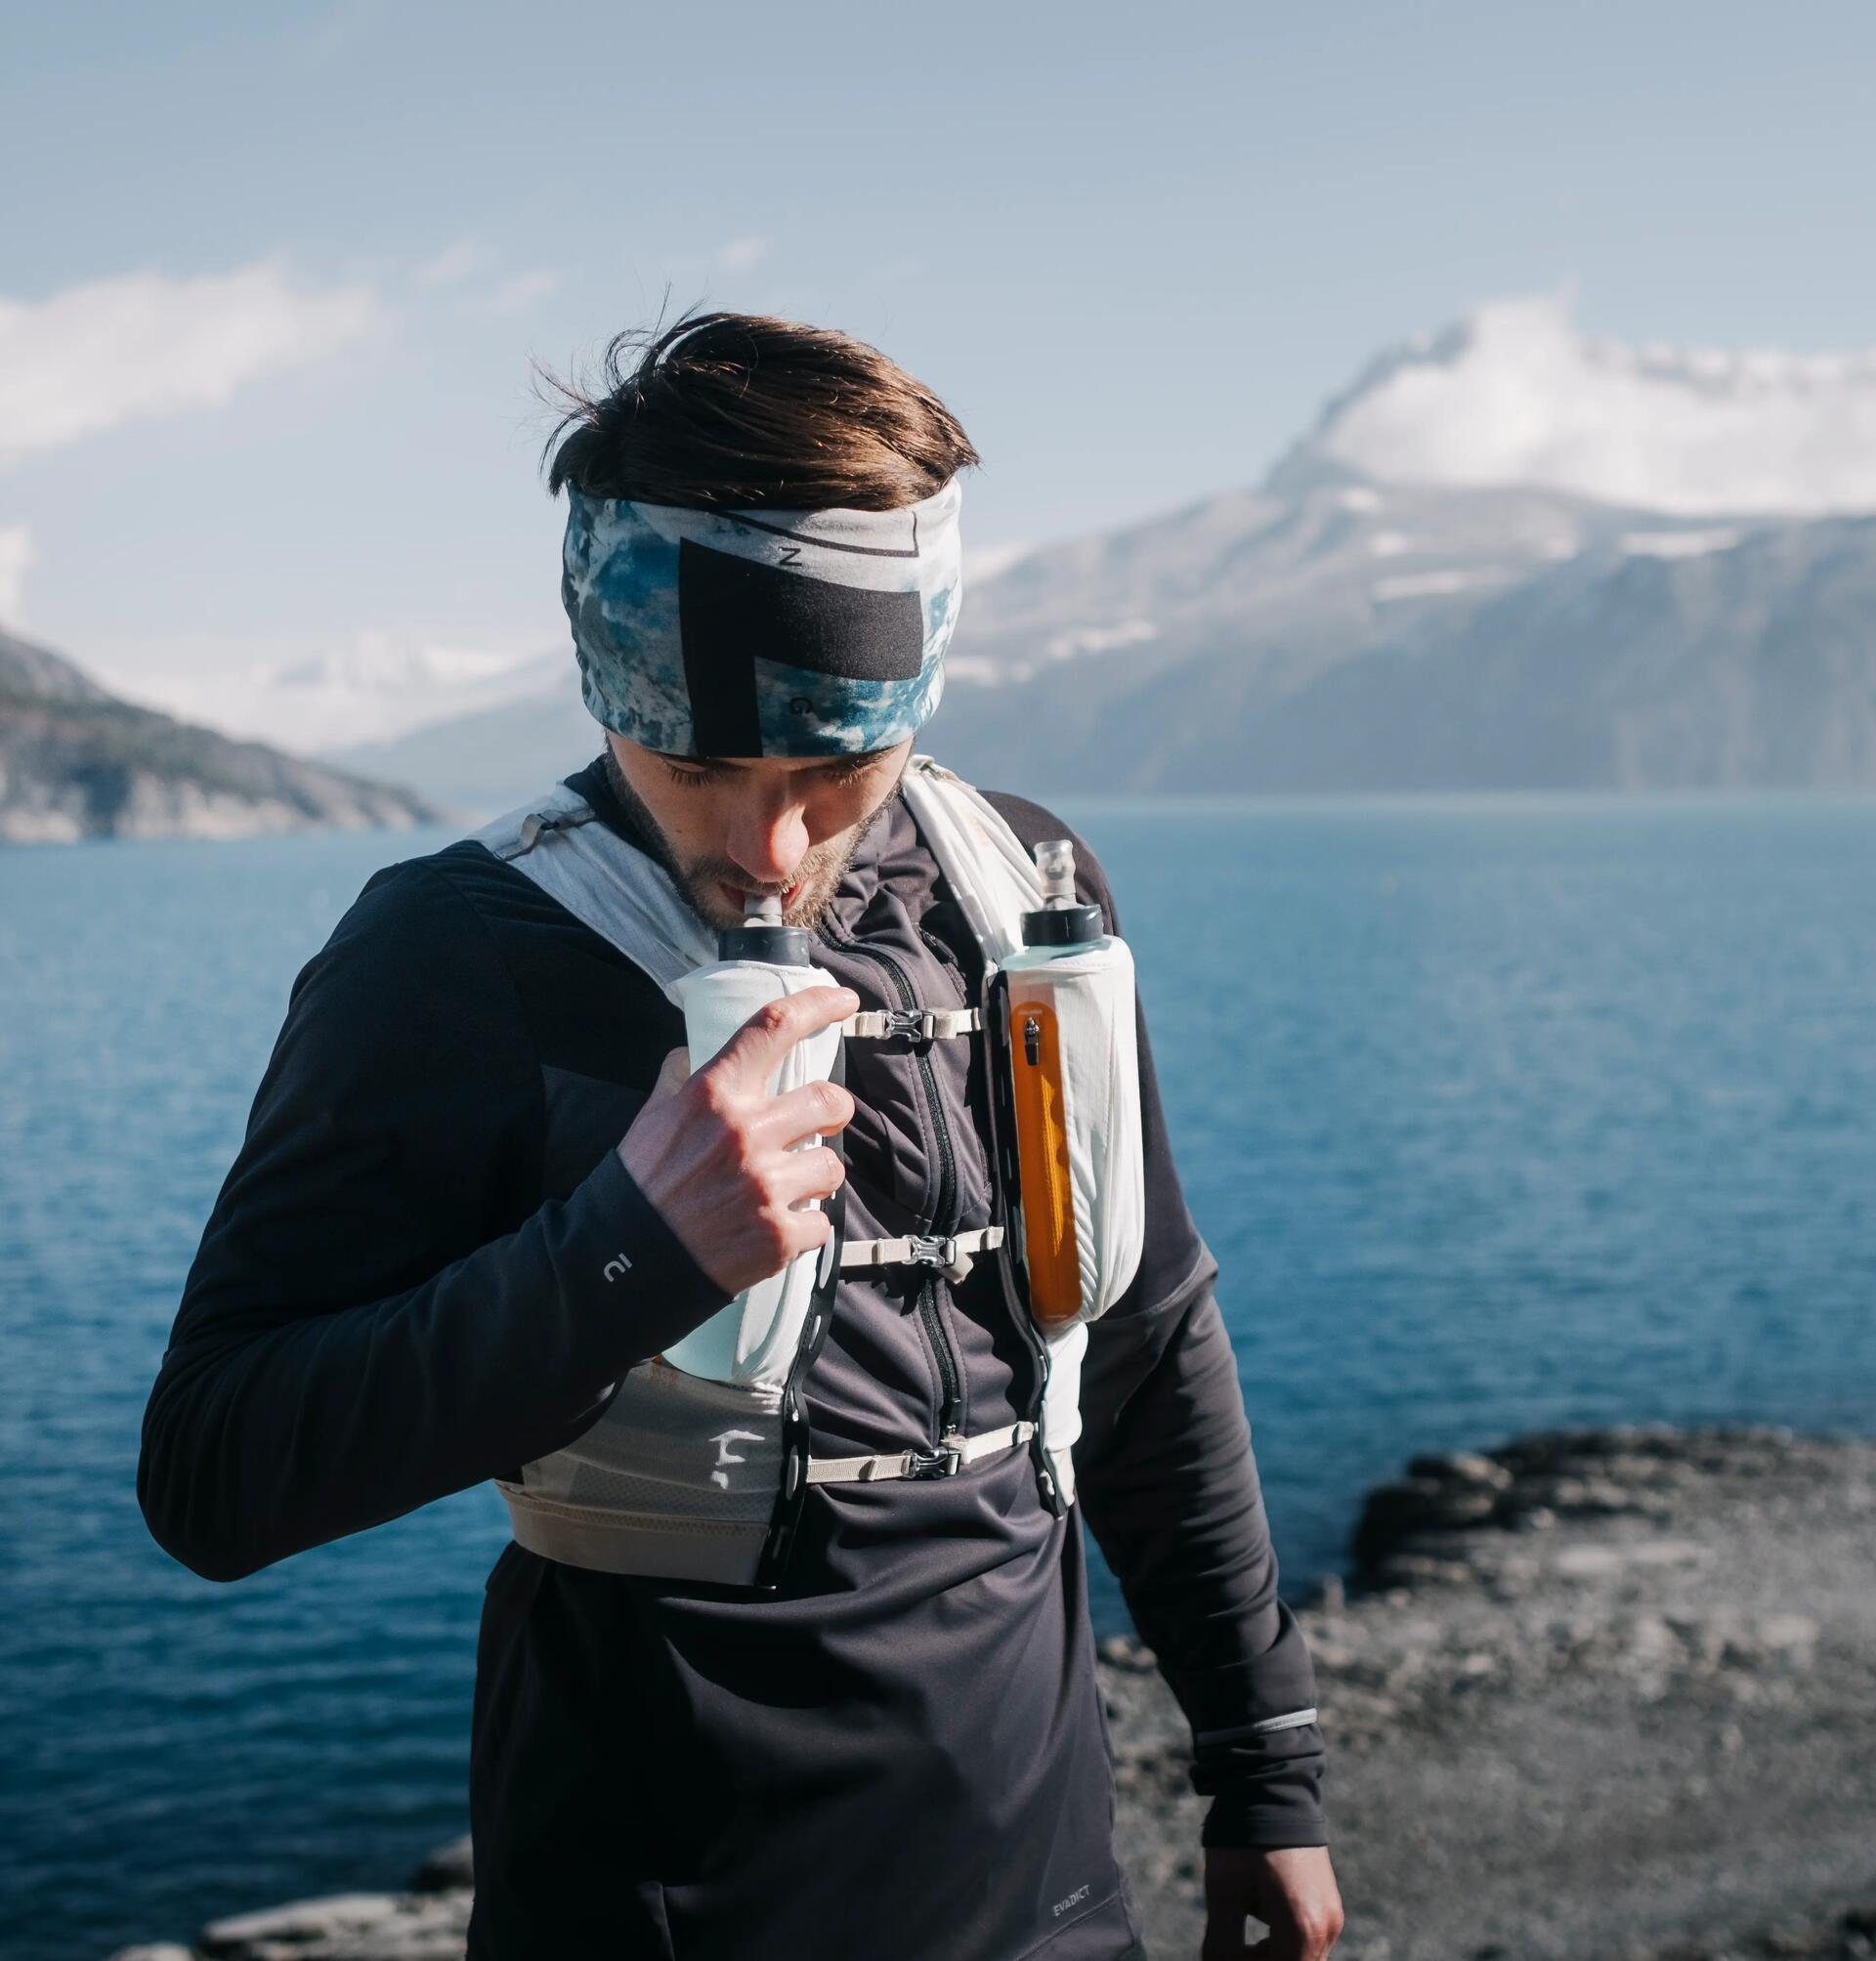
{"points": [[1066, 1002], [753, 1339]]}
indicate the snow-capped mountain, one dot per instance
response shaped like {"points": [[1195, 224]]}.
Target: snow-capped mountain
{"points": [[1509, 555], [1658, 654]]}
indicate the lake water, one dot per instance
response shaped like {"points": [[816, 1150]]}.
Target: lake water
{"points": [[1497, 1113]]}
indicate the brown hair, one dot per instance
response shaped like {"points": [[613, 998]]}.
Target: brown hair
{"points": [[744, 411]]}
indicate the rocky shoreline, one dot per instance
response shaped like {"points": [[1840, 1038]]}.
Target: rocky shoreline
{"points": [[77, 762], [1593, 1695]]}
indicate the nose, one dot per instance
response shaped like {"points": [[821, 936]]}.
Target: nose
{"points": [[770, 840]]}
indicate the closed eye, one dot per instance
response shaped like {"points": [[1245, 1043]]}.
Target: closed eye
{"points": [[848, 770], [690, 779]]}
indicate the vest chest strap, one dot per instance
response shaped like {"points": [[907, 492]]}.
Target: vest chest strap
{"points": [[953, 1452], [951, 1252], [923, 1024]]}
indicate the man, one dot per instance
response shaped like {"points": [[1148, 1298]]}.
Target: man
{"points": [[481, 1184]]}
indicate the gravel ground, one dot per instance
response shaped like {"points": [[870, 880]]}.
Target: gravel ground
{"points": [[1597, 1695]]}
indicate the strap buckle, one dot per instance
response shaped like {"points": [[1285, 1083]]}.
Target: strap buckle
{"points": [[938, 1250], [915, 1024], [947, 1460]]}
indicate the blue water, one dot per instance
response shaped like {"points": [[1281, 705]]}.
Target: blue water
{"points": [[1497, 1113]]}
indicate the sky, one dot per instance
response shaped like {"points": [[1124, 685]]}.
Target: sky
{"points": [[274, 279]]}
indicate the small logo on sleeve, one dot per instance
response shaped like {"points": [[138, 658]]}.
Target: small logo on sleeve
{"points": [[615, 1268]]}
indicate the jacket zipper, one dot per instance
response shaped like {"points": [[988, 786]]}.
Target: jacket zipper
{"points": [[950, 1415]]}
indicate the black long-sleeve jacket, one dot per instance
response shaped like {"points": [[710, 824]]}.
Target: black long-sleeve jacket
{"points": [[409, 1283]]}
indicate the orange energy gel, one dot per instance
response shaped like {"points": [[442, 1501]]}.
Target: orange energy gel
{"points": [[1042, 1159]]}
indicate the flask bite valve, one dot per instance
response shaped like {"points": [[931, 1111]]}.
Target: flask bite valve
{"points": [[1062, 921], [1055, 861], [762, 936]]}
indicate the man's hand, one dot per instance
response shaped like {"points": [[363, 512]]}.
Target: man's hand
{"points": [[711, 1148], [1291, 1891]]}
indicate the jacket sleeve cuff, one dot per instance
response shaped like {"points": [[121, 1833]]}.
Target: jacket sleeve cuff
{"points": [[1265, 1788], [1257, 1747], [629, 1287], [1278, 1812]]}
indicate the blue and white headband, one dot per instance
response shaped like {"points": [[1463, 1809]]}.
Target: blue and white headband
{"points": [[762, 633]]}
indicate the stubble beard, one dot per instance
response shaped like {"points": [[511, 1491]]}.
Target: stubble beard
{"points": [[821, 873]]}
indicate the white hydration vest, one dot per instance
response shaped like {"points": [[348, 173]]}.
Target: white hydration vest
{"points": [[685, 1478]]}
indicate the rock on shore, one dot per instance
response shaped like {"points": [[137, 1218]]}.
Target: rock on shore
{"points": [[1594, 1695]]}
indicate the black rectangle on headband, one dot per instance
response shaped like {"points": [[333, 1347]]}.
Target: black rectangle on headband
{"points": [[734, 611]]}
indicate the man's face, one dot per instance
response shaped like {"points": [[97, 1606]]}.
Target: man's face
{"points": [[782, 825]]}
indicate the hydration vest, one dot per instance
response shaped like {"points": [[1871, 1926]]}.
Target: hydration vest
{"points": [[685, 1478]]}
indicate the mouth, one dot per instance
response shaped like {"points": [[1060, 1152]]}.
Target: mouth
{"points": [[739, 895]]}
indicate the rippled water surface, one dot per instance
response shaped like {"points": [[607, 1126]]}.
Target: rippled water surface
{"points": [[1496, 1113]]}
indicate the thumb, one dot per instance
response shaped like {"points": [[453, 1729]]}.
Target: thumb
{"points": [[672, 1076]]}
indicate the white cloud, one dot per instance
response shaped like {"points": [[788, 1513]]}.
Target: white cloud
{"points": [[1075, 640], [99, 354], [16, 555], [467, 261], [1517, 395], [984, 562], [741, 255], [370, 687], [515, 295], [454, 263]]}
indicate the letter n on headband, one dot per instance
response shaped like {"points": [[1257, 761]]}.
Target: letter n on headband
{"points": [[735, 611]]}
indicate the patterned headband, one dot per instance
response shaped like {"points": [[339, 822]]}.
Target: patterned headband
{"points": [[762, 633]]}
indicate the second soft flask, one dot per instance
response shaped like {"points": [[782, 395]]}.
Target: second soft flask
{"points": [[753, 1339], [1074, 1069]]}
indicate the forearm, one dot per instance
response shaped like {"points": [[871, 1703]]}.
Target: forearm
{"points": [[1170, 1487], [280, 1421]]}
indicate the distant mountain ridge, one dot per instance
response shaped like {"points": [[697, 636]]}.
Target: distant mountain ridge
{"points": [[1594, 648], [77, 761], [1360, 638], [1506, 557]]}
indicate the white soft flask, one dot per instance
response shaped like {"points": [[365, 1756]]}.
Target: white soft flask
{"points": [[1066, 1001], [754, 1339]]}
